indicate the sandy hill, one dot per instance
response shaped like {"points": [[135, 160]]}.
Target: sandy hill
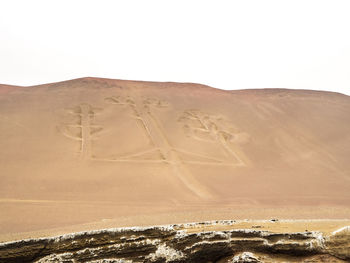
{"points": [[93, 150]]}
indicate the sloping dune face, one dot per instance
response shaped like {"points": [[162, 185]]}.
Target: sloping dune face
{"points": [[6, 88], [91, 149]]}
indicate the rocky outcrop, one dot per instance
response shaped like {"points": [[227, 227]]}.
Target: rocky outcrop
{"points": [[179, 243], [338, 243]]}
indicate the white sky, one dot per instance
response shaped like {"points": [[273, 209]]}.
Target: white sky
{"points": [[225, 44]]}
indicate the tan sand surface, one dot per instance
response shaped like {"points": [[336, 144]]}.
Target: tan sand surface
{"points": [[91, 152], [327, 227]]}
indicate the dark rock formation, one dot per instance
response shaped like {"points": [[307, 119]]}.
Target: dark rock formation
{"points": [[174, 243]]}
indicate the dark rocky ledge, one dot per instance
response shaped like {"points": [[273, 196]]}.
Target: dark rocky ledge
{"points": [[174, 243]]}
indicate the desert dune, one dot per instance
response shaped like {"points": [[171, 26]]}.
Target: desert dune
{"points": [[92, 152]]}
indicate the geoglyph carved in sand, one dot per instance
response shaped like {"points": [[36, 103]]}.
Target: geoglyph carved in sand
{"points": [[143, 113], [214, 129], [83, 130], [198, 125]]}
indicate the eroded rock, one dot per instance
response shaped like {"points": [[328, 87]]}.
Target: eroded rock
{"points": [[245, 257], [338, 244], [174, 243]]}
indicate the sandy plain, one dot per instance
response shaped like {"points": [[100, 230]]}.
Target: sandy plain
{"points": [[95, 153]]}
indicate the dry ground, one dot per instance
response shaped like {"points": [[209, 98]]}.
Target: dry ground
{"points": [[104, 153]]}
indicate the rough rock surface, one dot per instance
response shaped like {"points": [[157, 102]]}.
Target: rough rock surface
{"points": [[174, 243], [339, 243]]}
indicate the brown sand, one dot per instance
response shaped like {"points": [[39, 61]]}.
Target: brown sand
{"points": [[91, 153]]}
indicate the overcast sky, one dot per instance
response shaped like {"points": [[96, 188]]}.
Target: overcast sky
{"points": [[226, 44]]}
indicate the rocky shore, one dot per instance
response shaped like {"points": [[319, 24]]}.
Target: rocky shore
{"points": [[182, 243]]}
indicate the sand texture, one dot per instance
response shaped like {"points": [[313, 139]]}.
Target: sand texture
{"points": [[100, 152]]}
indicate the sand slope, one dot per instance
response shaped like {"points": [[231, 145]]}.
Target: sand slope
{"points": [[89, 149]]}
